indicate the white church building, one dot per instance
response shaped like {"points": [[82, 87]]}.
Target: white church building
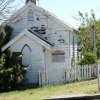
{"points": [[44, 40]]}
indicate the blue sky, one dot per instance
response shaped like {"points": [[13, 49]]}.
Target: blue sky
{"points": [[66, 9]]}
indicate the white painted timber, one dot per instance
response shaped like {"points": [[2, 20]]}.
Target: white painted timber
{"points": [[38, 54], [66, 75], [32, 36]]}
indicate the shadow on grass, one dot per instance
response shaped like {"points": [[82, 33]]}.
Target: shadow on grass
{"points": [[18, 88]]}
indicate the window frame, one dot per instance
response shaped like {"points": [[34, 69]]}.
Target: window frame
{"points": [[30, 15]]}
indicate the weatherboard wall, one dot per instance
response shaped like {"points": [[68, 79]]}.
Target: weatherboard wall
{"points": [[57, 33], [36, 59]]}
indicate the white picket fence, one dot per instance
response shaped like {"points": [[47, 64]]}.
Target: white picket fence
{"points": [[55, 75]]}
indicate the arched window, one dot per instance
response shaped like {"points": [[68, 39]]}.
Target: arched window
{"points": [[26, 55], [30, 15], [26, 60]]}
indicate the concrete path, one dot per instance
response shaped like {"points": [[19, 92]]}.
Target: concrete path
{"points": [[75, 97]]}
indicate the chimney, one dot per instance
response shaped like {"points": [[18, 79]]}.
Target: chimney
{"points": [[33, 1]]}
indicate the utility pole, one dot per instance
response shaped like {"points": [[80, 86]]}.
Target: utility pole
{"points": [[95, 54]]}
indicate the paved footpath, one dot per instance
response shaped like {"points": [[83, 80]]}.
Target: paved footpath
{"points": [[75, 97]]}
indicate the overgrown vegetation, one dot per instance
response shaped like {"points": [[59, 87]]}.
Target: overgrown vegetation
{"points": [[11, 73], [86, 32], [11, 70], [5, 32]]}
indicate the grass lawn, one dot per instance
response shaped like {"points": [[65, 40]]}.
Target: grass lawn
{"points": [[87, 87]]}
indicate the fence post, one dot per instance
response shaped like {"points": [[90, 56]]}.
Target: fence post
{"points": [[40, 77], [98, 75]]}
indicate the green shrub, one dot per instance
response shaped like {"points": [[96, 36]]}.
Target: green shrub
{"points": [[88, 58], [11, 74]]}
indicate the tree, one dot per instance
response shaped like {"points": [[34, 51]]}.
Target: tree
{"points": [[11, 72], [85, 32], [5, 32], [5, 9], [11, 69]]}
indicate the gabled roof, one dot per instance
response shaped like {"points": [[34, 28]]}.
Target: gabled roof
{"points": [[39, 40], [42, 11]]}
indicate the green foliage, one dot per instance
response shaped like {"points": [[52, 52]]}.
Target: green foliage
{"points": [[5, 68], [88, 58], [2, 35], [85, 33], [4, 80], [5, 33], [8, 31], [2, 61], [11, 74]]}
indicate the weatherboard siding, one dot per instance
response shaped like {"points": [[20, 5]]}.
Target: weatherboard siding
{"points": [[55, 32], [37, 56]]}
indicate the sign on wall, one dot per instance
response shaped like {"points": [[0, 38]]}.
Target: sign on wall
{"points": [[58, 56]]}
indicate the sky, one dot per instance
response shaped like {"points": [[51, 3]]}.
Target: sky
{"points": [[68, 9]]}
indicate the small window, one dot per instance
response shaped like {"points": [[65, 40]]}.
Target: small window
{"points": [[30, 15], [58, 56]]}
